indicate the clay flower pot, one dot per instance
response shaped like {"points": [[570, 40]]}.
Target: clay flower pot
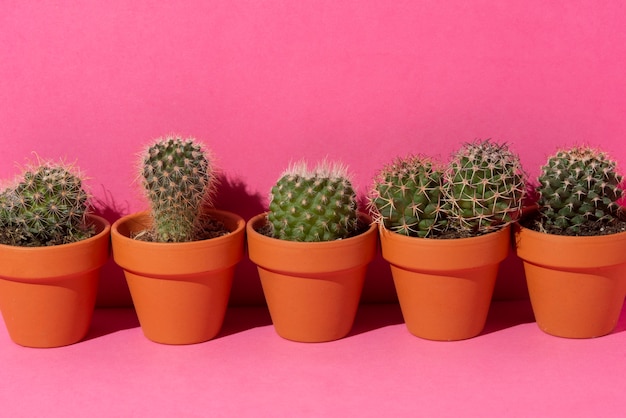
{"points": [[312, 289], [48, 294], [180, 290], [576, 285], [445, 286]]}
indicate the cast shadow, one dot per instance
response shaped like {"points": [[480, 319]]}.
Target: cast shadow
{"points": [[108, 208], [379, 287], [233, 196], [502, 315], [511, 280], [244, 318], [621, 322], [112, 288], [370, 317], [508, 314], [111, 320]]}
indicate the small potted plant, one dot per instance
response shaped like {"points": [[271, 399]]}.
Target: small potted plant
{"points": [[444, 230], [312, 249], [574, 245], [179, 257], [51, 251]]}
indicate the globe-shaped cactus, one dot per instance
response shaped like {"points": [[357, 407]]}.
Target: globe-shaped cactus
{"points": [[484, 187], [406, 197], [578, 186], [313, 205], [47, 206]]}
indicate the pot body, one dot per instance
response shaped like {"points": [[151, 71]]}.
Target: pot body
{"points": [[312, 289], [180, 290], [576, 285], [48, 294], [445, 286]]}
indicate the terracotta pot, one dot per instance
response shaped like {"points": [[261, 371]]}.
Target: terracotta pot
{"points": [[576, 285], [180, 290], [48, 294], [312, 289], [445, 286]]}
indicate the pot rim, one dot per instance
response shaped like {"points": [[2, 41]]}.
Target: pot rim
{"points": [[103, 227], [558, 250], [310, 257], [168, 259], [240, 222], [432, 254], [57, 260], [445, 242]]}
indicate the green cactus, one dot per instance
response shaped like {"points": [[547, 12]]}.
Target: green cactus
{"points": [[406, 197], [578, 186], [46, 207], [178, 178], [313, 205], [484, 187]]}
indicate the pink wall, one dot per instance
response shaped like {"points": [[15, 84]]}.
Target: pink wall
{"points": [[266, 82]]}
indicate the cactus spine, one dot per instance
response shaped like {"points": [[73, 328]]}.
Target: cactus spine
{"points": [[577, 186], [313, 205], [484, 187], [46, 207], [406, 197], [178, 178]]}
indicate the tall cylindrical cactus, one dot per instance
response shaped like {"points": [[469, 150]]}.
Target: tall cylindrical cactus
{"points": [[313, 205], [577, 186], [484, 187], [46, 207], [406, 197], [178, 178]]}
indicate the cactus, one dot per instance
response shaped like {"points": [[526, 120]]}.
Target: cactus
{"points": [[46, 207], [178, 179], [578, 186], [484, 187], [406, 197], [313, 205]]}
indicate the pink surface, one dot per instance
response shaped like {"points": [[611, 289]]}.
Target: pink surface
{"points": [[265, 83], [512, 369]]}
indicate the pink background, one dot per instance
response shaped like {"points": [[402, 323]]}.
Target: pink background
{"points": [[267, 82], [263, 83]]}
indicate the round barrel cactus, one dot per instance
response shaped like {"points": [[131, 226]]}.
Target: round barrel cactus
{"points": [[406, 197], [577, 186], [484, 187], [313, 205], [47, 206]]}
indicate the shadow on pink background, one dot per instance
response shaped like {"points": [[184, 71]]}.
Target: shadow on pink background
{"points": [[265, 83]]}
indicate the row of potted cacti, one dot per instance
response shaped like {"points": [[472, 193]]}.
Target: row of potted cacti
{"points": [[443, 228]]}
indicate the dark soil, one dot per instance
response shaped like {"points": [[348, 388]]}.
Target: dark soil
{"points": [[455, 234], [592, 228], [212, 228]]}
